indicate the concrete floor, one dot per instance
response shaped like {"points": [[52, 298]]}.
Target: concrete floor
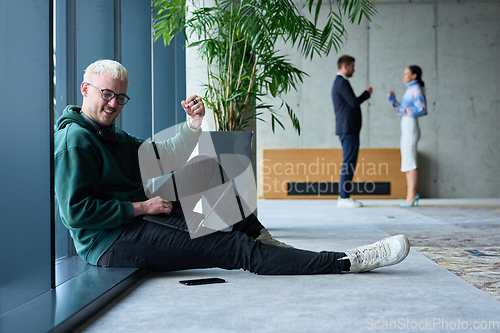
{"points": [[438, 288]]}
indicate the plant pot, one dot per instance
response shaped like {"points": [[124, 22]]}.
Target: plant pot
{"points": [[233, 150]]}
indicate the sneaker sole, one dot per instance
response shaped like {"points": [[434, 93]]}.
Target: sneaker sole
{"points": [[406, 242]]}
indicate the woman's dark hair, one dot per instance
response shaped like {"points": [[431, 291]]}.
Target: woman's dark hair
{"points": [[414, 69]]}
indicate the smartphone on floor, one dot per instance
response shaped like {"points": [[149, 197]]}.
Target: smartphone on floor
{"points": [[202, 281]]}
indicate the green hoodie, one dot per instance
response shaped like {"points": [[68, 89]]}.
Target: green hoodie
{"points": [[97, 181]]}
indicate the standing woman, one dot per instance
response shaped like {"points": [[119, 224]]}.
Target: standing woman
{"points": [[412, 106]]}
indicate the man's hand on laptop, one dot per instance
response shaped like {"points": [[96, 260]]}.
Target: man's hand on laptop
{"points": [[152, 206]]}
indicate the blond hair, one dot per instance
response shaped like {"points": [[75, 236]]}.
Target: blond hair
{"points": [[110, 67]]}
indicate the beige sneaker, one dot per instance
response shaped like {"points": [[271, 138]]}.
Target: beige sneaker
{"points": [[389, 251], [266, 238], [348, 203]]}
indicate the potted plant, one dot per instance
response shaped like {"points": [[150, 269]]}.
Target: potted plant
{"points": [[238, 40]]}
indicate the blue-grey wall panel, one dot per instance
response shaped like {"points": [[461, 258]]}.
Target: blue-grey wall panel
{"points": [[26, 260], [66, 91], [165, 102], [169, 83], [136, 57], [95, 35], [180, 75]]}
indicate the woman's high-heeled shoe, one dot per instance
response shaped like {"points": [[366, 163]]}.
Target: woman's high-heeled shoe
{"points": [[414, 203]]}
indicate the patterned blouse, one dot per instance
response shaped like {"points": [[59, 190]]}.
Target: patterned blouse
{"points": [[413, 103]]}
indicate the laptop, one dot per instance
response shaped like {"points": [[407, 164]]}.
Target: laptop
{"points": [[189, 221], [175, 220]]}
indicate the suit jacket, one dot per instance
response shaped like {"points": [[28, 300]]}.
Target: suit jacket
{"points": [[347, 106]]}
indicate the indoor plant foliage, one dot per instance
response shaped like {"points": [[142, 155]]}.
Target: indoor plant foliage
{"points": [[238, 39]]}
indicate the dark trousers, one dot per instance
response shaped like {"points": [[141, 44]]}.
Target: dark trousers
{"points": [[162, 249], [350, 149], [159, 248]]}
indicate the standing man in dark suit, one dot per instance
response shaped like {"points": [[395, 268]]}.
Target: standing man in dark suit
{"points": [[348, 125]]}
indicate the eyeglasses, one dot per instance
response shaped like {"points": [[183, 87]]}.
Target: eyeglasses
{"points": [[108, 95]]}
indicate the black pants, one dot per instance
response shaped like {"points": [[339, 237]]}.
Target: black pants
{"points": [[160, 248], [350, 149]]}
